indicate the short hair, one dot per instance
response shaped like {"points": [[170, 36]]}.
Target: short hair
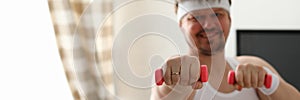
{"points": [[177, 1]]}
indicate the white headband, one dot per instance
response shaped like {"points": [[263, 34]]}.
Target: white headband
{"points": [[189, 5]]}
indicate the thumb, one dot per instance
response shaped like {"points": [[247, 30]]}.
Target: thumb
{"points": [[197, 85], [238, 87]]}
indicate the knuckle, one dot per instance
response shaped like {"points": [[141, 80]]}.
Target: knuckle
{"points": [[169, 62], [196, 62], [173, 59], [260, 68], [247, 66], [188, 58], [239, 67]]}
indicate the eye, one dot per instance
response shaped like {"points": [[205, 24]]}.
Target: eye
{"points": [[200, 17], [217, 14], [193, 19]]}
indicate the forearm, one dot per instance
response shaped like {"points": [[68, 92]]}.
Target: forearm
{"points": [[170, 93], [281, 89], [285, 91], [159, 92]]}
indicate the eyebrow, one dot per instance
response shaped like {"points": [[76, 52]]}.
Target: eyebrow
{"points": [[218, 9]]}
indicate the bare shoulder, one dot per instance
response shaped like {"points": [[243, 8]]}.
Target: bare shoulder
{"points": [[256, 61]]}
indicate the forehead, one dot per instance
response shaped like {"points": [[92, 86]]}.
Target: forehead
{"points": [[208, 11]]}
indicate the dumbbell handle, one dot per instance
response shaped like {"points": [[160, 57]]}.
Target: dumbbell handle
{"points": [[231, 79], [159, 79]]}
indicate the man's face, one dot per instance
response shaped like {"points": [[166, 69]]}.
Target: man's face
{"points": [[209, 29]]}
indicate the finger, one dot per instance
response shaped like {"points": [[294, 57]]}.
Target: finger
{"points": [[175, 68], [185, 70], [175, 79], [247, 78], [261, 77], [238, 87], [254, 78], [239, 76], [194, 71], [197, 85], [167, 76]]}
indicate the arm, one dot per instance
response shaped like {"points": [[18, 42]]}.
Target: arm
{"points": [[285, 91], [166, 93]]}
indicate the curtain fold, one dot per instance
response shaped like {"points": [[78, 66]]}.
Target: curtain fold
{"points": [[84, 52]]}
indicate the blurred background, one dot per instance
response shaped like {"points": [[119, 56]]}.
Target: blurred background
{"points": [[65, 46]]}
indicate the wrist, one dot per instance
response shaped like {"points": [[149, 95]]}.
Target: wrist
{"points": [[274, 84]]}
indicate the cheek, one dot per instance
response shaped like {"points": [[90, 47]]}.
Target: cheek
{"points": [[192, 28], [226, 28]]}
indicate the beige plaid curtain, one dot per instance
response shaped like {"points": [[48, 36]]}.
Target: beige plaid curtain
{"points": [[75, 24]]}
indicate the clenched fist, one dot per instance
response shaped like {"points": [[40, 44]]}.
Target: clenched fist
{"points": [[250, 76], [183, 70]]}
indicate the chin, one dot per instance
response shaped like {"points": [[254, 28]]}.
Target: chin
{"points": [[211, 52]]}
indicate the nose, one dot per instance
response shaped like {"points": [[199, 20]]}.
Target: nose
{"points": [[209, 23]]}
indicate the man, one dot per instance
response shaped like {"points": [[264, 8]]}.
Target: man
{"points": [[206, 24]]}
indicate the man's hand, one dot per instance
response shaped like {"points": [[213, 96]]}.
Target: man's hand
{"points": [[250, 76], [182, 70]]}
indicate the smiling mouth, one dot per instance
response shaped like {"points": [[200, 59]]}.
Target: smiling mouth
{"points": [[209, 35]]}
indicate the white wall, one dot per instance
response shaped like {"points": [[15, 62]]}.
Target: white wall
{"points": [[262, 14], [30, 66]]}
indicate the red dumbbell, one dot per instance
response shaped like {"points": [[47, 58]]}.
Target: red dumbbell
{"points": [[160, 80], [231, 79]]}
